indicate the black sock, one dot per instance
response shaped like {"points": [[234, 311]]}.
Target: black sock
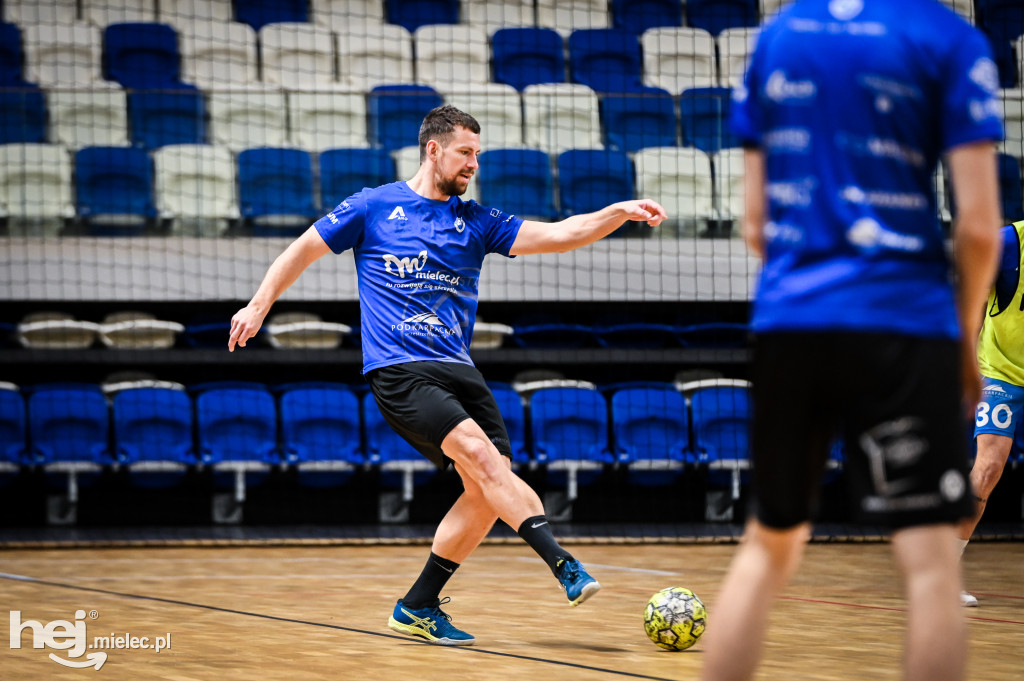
{"points": [[536, 532], [427, 588]]}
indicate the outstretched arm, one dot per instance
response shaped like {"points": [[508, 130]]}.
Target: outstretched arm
{"points": [[581, 230], [299, 255]]}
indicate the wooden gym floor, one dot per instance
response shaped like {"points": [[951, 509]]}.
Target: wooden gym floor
{"points": [[320, 613]]}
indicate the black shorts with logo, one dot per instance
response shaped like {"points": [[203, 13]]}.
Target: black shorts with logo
{"points": [[424, 401], [896, 402]]}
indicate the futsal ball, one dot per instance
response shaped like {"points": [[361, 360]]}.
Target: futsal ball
{"points": [[675, 618]]}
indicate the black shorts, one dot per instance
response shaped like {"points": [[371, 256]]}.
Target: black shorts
{"points": [[896, 402], [424, 401]]}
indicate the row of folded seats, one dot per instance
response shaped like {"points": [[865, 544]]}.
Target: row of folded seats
{"points": [[571, 430], [205, 189], [307, 331]]}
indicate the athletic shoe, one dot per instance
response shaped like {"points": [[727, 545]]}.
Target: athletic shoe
{"points": [[967, 600], [578, 585], [430, 623]]}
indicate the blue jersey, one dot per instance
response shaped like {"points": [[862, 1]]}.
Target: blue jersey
{"points": [[852, 102], [418, 263]]}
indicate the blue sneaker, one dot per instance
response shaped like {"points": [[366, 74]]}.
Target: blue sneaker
{"points": [[431, 623], [578, 585]]}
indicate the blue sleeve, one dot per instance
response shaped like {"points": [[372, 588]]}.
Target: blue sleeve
{"points": [[342, 228], [971, 109], [499, 229]]}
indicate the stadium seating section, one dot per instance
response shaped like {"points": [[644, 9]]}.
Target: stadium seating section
{"points": [[351, 80]]}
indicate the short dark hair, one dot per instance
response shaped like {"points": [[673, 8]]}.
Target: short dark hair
{"points": [[440, 124]]}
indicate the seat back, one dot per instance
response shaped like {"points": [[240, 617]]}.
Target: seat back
{"points": [[13, 426], [637, 16], [735, 45], [336, 13], [497, 107], [681, 178], [570, 424], [218, 54], [448, 55], [159, 118], [183, 13], [63, 55], [729, 171], [411, 14], [258, 13], [107, 12], [22, 117], [567, 16], [590, 179], [29, 12], [1010, 188], [518, 181], [714, 16], [526, 56], [297, 55], [196, 181], [493, 15], [650, 423], [396, 112], [236, 424], [321, 423], [561, 116], [721, 422], [276, 182], [638, 120], [704, 115], [153, 424], [606, 60], [35, 180], [677, 59], [247, 120], [327, 120], [372, 54], [343, 172], [11, 66], [88, 118], [114, 181], [141, 55], [69, 423]]}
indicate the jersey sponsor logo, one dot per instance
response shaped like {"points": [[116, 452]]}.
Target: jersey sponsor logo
{"points": [[881, 199], [460, 225], [986, 75], [867, 233], [780, 89], [397, 214], [332, 218], [424, 318], [495, 213], [783, 233], [792, 140], [982, 109], [844, 10], [992, 389], [403, 265], [796, 193]]}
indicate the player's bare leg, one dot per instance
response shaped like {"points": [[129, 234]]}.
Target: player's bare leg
{"points": [[993, 451], [763, 565], [936, 647]]}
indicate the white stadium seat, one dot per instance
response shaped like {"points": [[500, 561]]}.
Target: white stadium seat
{"points": [[497, 107], [729, 183], [243, 120], [88, 118], [183, 13], [566, 16], [29, 12], [492, 15], [102, 13], [216, 54], [297, 56], [35, 187], [678, 59], [448, 55], [681, 179], [561, 116], [196, 187], [327, 120], [64, 55], [371, 54], [735, 45], [337, 13]]}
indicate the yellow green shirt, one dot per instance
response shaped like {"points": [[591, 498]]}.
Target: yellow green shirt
{"points": [[1001, 341]]}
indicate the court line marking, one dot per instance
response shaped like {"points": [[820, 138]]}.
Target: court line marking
{"points": [[817, 601], [275, 618]]}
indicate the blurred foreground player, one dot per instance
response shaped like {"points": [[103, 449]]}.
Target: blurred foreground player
{"points": [[845, 110], [418, 251]]}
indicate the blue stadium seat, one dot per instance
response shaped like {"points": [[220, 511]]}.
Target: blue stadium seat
{"points": [[11, 61], [161, 118], [22, 116], [721, 430], [411, 14], [69, 423], [343, 172], [524, 56], [636, 16], [652, 432], [13, 431], [570, 434], [258, 13], [237, 425], [396, 112], [513, 414], [518, 181], [142, 56], [606, 60], [320, 432], [114, 189], [634, 121], [714, 16], [400, 463], [704, 116], [153, 435], [1003, 22], [590, 179], [275, 188], [1010, 188]]}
